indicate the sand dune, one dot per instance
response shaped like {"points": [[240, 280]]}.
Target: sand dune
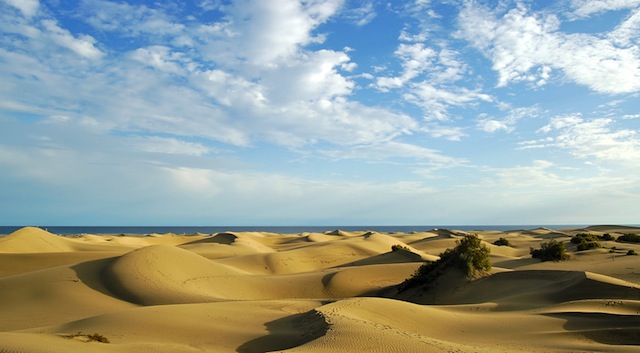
{"points": [[312, 292]]}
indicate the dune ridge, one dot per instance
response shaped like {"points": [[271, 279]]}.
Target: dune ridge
{"points": [[335, 291]]}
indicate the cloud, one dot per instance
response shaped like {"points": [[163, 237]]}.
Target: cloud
{"points": [[128, 20], [507, 123], [415, 58], [170, 145], [28, 7], [268, 33], [431, 77], [162, 58], [627, 33], [525, 47], [391, 150], [361, 15], [83, 45], [308, 77], [585, 8], [489, 125], [436, 101], [339, 122], [539, 173], [590, 139]]}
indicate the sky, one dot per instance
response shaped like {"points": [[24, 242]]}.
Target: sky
{"points": [[319, 112]]}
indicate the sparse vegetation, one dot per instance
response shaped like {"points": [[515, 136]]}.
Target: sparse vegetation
{"points": [[397, 247], [632, 252], [96, 337], [502, 242], [629, 238], [469, 255], [551, 250], [586, 241], [607, 237]]}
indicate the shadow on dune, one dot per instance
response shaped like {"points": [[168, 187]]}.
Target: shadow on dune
{"points": [[606, 328], [393, 257], [527, 289], [92, 274], [288, 332], [225, 238]]}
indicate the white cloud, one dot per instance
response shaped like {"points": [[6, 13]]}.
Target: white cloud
{"points": [[267, 33], [338, 121], [361, 15], [308, 77], [28, 7], [627, 33], [428, 80], [393, 150], [229, 90], [539, 173], [130, 20], [441, 66], [436, 101], [170, 145], [83, 45], [161, 58], [588, 139], [493, 124], [451, 133], [584, 8], [526, 47], [489, 125], [416, 58]]}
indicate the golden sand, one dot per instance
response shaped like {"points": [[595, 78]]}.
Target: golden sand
{"points": [[311, 292]]}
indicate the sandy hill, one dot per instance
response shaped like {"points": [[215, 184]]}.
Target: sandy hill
{"points": [[253, 292], [34, 240]]}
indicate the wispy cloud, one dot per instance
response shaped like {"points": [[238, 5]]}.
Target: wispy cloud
{"points": [[27, 7], [528, 47], [508, 122], [589, 139], [584, 8]]}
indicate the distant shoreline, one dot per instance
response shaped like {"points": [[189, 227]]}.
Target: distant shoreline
{"points": [[98, 230]]}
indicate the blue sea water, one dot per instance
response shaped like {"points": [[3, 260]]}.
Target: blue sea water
{"points": [[141, 230]]}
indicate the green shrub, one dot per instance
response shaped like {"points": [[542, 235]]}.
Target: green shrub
{"points": [[632, 252], [502, 242], [583, 237], [606, 236], [397, 247], [586, 241], [587, 245], [551, 250], [469, 255], [630, 238]]}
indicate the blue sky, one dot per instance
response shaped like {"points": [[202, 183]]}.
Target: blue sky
{"points": [[319, 112]]}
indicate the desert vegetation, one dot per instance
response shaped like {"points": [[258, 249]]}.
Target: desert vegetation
{"points": [[95, 337], [502, 242], [607, 237], [397, 247], [629, 238], [469, 255], [551, 250], [586, 241]]}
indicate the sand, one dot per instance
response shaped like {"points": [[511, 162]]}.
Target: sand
{"points": [[311, 292]]}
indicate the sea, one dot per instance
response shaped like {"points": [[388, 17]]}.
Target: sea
{"points": [[142, 230]]}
